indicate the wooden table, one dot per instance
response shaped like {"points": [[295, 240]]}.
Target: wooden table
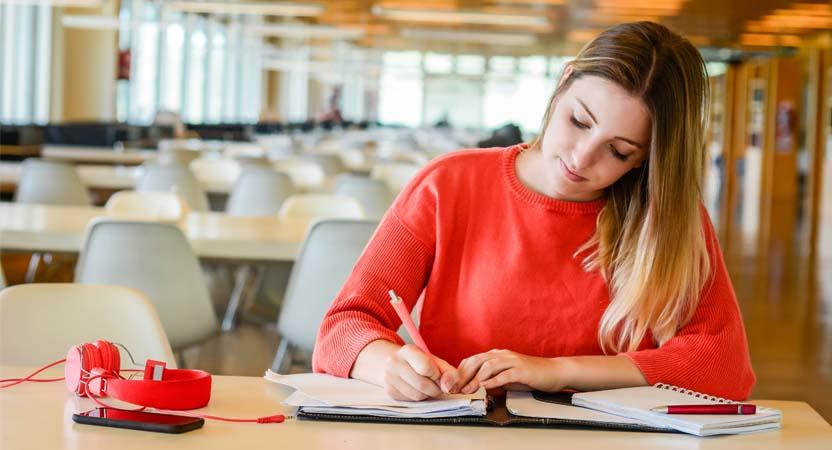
{"points": [[39, 416], [100, 155], [42, 228]]}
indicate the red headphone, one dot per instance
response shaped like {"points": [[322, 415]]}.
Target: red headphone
{"points": [[93, 370]]}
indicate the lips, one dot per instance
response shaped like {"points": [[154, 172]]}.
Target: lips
{"points": [[571, 176]]}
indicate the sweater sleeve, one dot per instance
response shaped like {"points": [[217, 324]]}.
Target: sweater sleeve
{"points": [[399, 256], [710, 353]]}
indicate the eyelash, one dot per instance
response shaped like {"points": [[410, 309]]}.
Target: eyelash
{"points": [[614, 151]]}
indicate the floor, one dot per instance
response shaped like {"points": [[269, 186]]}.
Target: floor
{"points": [[785, 298]]}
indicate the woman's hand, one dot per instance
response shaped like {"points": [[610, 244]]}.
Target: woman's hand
{"points": [[412, 375], [510, 370]]}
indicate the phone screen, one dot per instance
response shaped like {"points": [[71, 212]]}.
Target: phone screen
{"points": [[138, 420]]}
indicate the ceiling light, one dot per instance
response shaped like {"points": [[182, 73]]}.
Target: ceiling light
{"points": [[525, 39], [62, 3], [90, 22], [460, 17], [305, 31], [249, 7]]}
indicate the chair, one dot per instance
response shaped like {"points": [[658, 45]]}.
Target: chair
{"points": [[161, 206], [326, 259], [329, 162], [309, 207], [156, 259], [216, 170], [304, 173], [40, 322], [50, 183], [174, 178], [374, 195], [259, 192], [396, 175]]}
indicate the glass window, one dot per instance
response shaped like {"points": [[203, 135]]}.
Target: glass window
{"points": [[400, 89], [195, 72], [438, 63], [501, 64], [470, 65], [144, 67], [25, 65], [216, 74], [173, 51]]}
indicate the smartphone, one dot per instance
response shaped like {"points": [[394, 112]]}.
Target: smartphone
{"points": [[138, 420]]}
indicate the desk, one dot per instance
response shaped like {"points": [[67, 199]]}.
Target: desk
{"points": [[46, 228], [39, 416], [100, 155]]}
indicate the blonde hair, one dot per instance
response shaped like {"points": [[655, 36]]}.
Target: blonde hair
{"points": [[649, 243]]}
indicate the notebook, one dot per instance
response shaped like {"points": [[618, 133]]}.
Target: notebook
{"points": [[325, 397], [635, 403]]}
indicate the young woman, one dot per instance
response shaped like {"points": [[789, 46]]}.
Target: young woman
{"points": [[582, 261]]}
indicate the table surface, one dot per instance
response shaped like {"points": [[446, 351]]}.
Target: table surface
{"points": [[101, 155], [211, 234], [39, 416]]}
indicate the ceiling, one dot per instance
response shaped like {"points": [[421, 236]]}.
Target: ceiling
{"points": [[563, 26]]}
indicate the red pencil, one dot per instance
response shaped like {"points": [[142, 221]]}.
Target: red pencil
{"points": [[738, 408]]}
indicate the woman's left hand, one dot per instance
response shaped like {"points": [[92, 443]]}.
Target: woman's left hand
{"points": [[509, 370]]}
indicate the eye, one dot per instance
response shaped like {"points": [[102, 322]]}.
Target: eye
{"points": [[618, 154], [577, 124]]}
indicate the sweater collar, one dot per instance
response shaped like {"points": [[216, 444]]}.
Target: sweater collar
{"points": [[539, 200]]}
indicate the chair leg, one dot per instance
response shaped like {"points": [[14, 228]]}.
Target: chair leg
{"points": [[32, 270], [240, 282], [283, 359]]}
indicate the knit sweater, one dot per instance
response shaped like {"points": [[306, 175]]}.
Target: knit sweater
{"points": [[494, 261]]}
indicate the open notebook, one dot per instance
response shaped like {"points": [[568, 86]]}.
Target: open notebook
{"points": [[635, 403], [325, 397]]}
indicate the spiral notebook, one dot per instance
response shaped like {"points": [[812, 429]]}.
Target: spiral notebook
{"points": [[635, 403]]}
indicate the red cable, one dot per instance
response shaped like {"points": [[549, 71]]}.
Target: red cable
{"points": [[16, 381]]}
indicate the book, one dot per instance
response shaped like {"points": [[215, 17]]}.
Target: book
{"points": [[636, 403]]}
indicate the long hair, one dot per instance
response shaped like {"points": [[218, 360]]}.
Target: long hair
{"points": [[649, 243]]}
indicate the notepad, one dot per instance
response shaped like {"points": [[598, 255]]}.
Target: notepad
{"points": [[317, 393], [635, 403]]}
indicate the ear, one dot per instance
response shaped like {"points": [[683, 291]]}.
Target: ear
{"points": [[567, 72]]}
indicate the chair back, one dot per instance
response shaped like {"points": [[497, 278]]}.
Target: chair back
{"points": [[259, 192], [161, 206], [174, 178], [395, 174], [307, 208], [326, 259], [156, 259], [40, 322], [374, 195], [50, 183]]}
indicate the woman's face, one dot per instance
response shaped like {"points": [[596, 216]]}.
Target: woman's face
{"points": [[596, 134]]}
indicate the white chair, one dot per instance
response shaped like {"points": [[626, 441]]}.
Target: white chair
{"points": [[326, 259], [161, 206], [40, 322], [156, 259], [329, 162], [216, 170], [305, 174], [259, 192], [174, 178], [308, 207], [236, 150], [374, 195], [50, 183], [396, 175]]}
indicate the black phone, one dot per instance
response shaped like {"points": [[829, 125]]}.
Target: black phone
{"points": [[138, 420]]}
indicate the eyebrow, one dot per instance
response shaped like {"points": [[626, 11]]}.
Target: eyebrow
{"points": [[592, 116]]}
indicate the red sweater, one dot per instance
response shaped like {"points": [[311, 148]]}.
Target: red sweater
{"points": [[494, 259]]}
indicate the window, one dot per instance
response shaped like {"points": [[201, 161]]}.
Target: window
{"points": [[25, 52], [400, 89]]}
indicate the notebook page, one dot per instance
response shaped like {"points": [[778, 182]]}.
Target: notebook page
{"points": [[524, 404], [329, 390], [637, 402]]}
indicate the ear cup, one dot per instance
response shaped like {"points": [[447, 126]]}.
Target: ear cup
{"points": [[110, 357], [79, 361]]}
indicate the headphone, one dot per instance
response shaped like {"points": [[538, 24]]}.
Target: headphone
{"points": [[93, 370]]}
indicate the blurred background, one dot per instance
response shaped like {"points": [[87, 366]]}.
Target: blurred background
{"points": [[345, 100]]}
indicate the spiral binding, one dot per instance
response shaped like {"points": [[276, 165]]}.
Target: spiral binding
{"points": [[694, 394]]}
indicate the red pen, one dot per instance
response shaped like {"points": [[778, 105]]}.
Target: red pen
{"points": [[739, 408]]}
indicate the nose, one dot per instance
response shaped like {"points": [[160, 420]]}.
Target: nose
{"points": [[585, 154]]}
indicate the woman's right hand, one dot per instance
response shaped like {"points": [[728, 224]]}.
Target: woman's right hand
{"points": [[412, 375]]}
